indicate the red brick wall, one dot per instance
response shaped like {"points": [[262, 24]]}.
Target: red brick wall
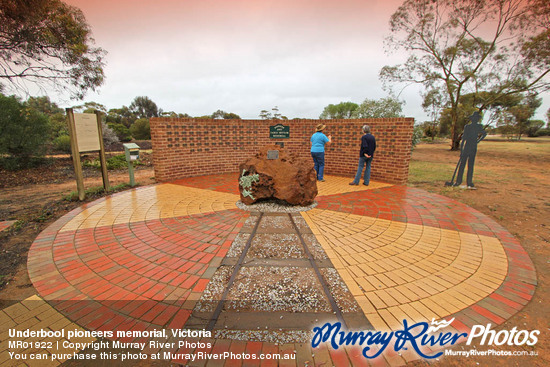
{"points": [[193, 147]]}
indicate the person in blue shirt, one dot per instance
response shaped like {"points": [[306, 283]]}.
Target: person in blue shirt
{"points": [[318, 141], [368, 146]]}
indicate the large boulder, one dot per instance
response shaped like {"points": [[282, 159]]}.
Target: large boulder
{"points": [[287, 177]]}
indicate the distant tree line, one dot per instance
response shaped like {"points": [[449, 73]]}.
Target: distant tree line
{"points": [[511, 116], [370, 108], [37, 126]]}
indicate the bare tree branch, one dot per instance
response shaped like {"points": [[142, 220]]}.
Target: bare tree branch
{"points": [[48, 44]]}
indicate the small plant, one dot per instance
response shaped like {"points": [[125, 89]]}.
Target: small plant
{"points": [[43, 216], [17, 226], [246, 183]]}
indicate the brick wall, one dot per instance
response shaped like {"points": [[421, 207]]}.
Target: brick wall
{"points": [[193, 147]]}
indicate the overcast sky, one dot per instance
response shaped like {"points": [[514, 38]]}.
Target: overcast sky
{"points": [[242, 56]]}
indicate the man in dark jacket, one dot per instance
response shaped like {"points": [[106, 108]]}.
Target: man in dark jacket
{"points": [[368, 146]]}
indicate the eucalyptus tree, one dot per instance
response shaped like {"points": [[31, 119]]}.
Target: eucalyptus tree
{"points": [[342, 110], [220, 114], [516, 120], [433, 103], [379, 108], [144, 107], [469, 46], [90, 107], [48, 44]]}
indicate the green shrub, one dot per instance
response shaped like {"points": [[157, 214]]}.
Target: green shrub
{"points": [[543, 132], [121, 131], [141, 130], [109, 136], [14, 163], [24, 131], [117, 162], [58, 125], [430, 130], [533, 128], [62, 144], [114, 162]]}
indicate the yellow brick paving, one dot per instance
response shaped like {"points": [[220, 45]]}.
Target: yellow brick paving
{"points": [[35, 314], [154, 202], [401, 271], [340, 185]]}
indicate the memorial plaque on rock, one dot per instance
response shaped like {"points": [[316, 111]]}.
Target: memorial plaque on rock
{"points": [[272, 154]]}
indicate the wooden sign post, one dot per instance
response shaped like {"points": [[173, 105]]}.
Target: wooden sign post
{"points": [[86, 136], [102, 159]]}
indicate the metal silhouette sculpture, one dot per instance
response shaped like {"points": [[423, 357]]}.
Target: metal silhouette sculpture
{"points": [[473, 134]]}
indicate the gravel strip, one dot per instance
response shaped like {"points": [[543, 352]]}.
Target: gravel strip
{"points": [[238, 245], [343, 297], [214, 290], [314, 247], [300, 222], [274, 206], [266, 289], [276, 222], [267, 336], [280, 246]]}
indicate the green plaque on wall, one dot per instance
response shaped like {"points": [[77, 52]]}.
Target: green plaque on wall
{"points": [[279, 131]]}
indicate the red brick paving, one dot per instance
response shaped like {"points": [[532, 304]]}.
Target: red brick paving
{"points": [[123, 275]]}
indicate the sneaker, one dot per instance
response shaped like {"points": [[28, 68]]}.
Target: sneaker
{"points": [[366, 184], [472, 187], [353, 184], [321, 180]]}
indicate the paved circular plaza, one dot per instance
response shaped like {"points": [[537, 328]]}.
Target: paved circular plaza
{"points": [[182, 255]]}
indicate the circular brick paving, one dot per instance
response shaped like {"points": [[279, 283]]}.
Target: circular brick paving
{"points": [[142, 259]]}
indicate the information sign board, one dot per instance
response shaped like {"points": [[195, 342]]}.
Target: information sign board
{"points": [[87, 133]]}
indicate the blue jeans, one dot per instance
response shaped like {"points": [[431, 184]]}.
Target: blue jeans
{"points": [[319, 163], [362, 162]]}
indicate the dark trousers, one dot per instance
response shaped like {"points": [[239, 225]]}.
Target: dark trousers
{"points": [[319, 163]]}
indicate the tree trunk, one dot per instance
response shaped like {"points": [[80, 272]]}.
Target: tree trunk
{"points": [[455, 135], [455, 141]]}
